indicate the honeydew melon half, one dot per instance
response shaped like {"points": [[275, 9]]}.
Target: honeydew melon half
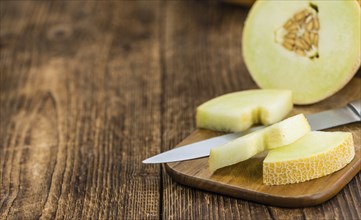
{"points": [[245, 147], [314, 155], [309, 47], [240, 110]]}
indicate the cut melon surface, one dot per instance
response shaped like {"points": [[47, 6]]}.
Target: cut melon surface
{"points": [[245, 147], [236, 151], [238, 111], [314, 155], [309, 47], [286, 131]]}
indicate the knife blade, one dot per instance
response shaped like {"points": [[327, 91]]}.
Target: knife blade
{"points": [[318, 121]]}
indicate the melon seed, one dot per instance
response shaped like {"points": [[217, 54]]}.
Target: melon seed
{"points": [[309, 25], [301, 32], [307, 37], [288, 46], [288, 24], [300, 52], [315, 40], [301, 15], [316, 23], [290, 35]]}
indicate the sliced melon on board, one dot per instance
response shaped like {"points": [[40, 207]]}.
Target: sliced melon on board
{"points": [[245, 147], [240, 110], [314, 155], [309, 47]]}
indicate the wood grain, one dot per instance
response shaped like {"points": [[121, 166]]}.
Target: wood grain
{"points": [[88, 89], [76, 80], [244, 180]]}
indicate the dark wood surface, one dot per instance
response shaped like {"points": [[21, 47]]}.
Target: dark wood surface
{"points": [[89, 89]]}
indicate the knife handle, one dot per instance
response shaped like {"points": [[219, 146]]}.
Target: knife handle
{"points": [[355, 106]]}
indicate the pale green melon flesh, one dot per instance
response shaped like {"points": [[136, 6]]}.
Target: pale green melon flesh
{"points": [[236, 151], [240, 110], [312, 144], [311, 80], [286, 131]]}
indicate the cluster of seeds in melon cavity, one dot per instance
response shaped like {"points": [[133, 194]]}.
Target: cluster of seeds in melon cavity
{"points": [[300, 33]]}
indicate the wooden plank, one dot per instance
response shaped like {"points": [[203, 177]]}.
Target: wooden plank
{"points": [[244, 180], [76, 80]]}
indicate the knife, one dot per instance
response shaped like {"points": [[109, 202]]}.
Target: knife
{"points": [[318, 121]]}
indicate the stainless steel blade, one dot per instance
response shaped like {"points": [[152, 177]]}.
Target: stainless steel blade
{"points": [[197, 149], [318, 121], [332, 118], [191, 151]]}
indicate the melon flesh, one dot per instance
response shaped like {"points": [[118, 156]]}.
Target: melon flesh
{"points": [[238, 111], [313, 77], [245, 147], [314, 155], [236, 151], [286, 132]]}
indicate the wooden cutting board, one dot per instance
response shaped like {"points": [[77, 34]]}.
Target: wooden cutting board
{"points": [[244, 180]]}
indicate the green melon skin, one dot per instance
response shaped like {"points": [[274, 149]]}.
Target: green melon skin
{"points": [[311, 80]]}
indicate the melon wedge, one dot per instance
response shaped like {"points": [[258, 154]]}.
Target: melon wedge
{"points": [[240, 110], [245, 147], [309, 47], [237, 150], [314, 155], [286, 131]]}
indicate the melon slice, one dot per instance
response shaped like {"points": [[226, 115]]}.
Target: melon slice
{"points": [[314, 155], [286, 131], [240, 110], [237, 150], [309, 47], [245, 147]]}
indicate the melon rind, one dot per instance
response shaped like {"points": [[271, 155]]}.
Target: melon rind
{"points": [[311, 80], [314, 155]]}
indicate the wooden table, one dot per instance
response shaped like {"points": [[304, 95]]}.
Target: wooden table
{"points": [[89, 89]]}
